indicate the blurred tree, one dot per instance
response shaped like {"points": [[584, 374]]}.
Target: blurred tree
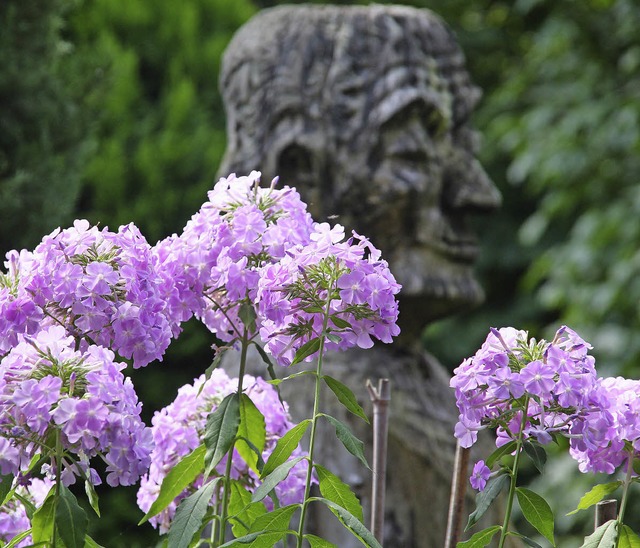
{"points": [[43, 143], [156, 106]]}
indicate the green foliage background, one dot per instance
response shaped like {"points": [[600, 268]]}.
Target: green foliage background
{"points": [[109, 110]]}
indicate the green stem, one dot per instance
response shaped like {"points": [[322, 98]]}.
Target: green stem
{"points": [[227, 475], [625, 492], [514, 476], [312, 441], [58, 468]]}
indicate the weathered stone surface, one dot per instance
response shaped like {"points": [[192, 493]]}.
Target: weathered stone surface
{"points": [[365, 111]]}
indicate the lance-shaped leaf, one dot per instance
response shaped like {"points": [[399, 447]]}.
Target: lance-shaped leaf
{"points": [[251, 428], [317, 542], [92, 496], [220, 431], [43, 519], [260, 539], [604, 536], [279, 474], [285, 446], [189, 515], [178, 478], [481, 538], [628, 538], [536, 453], [6, 482], [277, 520], [335, 490], [350, 442], [485, 498], [71, 519], [90, 543], [346, 397], [306, 350], [537, 512], [598, 493], [352, 523], [242, 511], [500, 452]]}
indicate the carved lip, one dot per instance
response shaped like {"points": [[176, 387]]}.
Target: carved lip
{"points": [[464, 250]]}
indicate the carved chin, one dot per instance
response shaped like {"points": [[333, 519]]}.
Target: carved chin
{"points": [[441, 286]]}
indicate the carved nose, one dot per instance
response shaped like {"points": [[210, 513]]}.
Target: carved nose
{"points": [[467, 185]]}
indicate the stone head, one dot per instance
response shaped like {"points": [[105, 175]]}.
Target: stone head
{"points": [[365, 110]]}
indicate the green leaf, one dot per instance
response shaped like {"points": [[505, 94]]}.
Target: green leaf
{"points": [[500, 452], [277, 520], [92, 496], [90, 543], [481, 538], [524, 539], [598, 493], [266, 360], [220, 431], [306, 350], [537, 512], [339, 322], [486, 497], [16, 540], [285, 446], [247, 315], [604, 536], [242, 511], [178, 478], [6, 482], [189, 515], [628, 538], [43, 519], [335, 490], [71, 519], [317, 542], [346, 397], [280, 473], [350, 442], [536, 453], [252, 428], [276, 382], [352, 523], [260, 539]]}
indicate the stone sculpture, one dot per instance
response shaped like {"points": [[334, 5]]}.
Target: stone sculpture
{"points": [[365, 110]]}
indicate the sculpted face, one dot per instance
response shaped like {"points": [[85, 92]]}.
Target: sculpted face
{"points": [[372, 127]]}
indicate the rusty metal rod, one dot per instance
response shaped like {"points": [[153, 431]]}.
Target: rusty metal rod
{"points": [[606, 510], [380, 399], [458, 491]]}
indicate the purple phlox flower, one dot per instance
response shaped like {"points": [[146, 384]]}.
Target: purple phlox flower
{"points": [[352, 287], [480, 475], [466, 432], [325, 235], [505, 338], [470, 375], [538, 379], [505, 384], [569, 340]]}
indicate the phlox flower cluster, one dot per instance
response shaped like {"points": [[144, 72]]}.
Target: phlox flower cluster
{"points": [[104, 287], [50, 389], [552, 383], [540, 389], [259, 246], [178, 430], [610, 433], [13, 515], [349, 275], [215, 262]]}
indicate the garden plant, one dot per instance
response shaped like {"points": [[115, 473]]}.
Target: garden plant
{"points": [[223, 464], [533, 393]]}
